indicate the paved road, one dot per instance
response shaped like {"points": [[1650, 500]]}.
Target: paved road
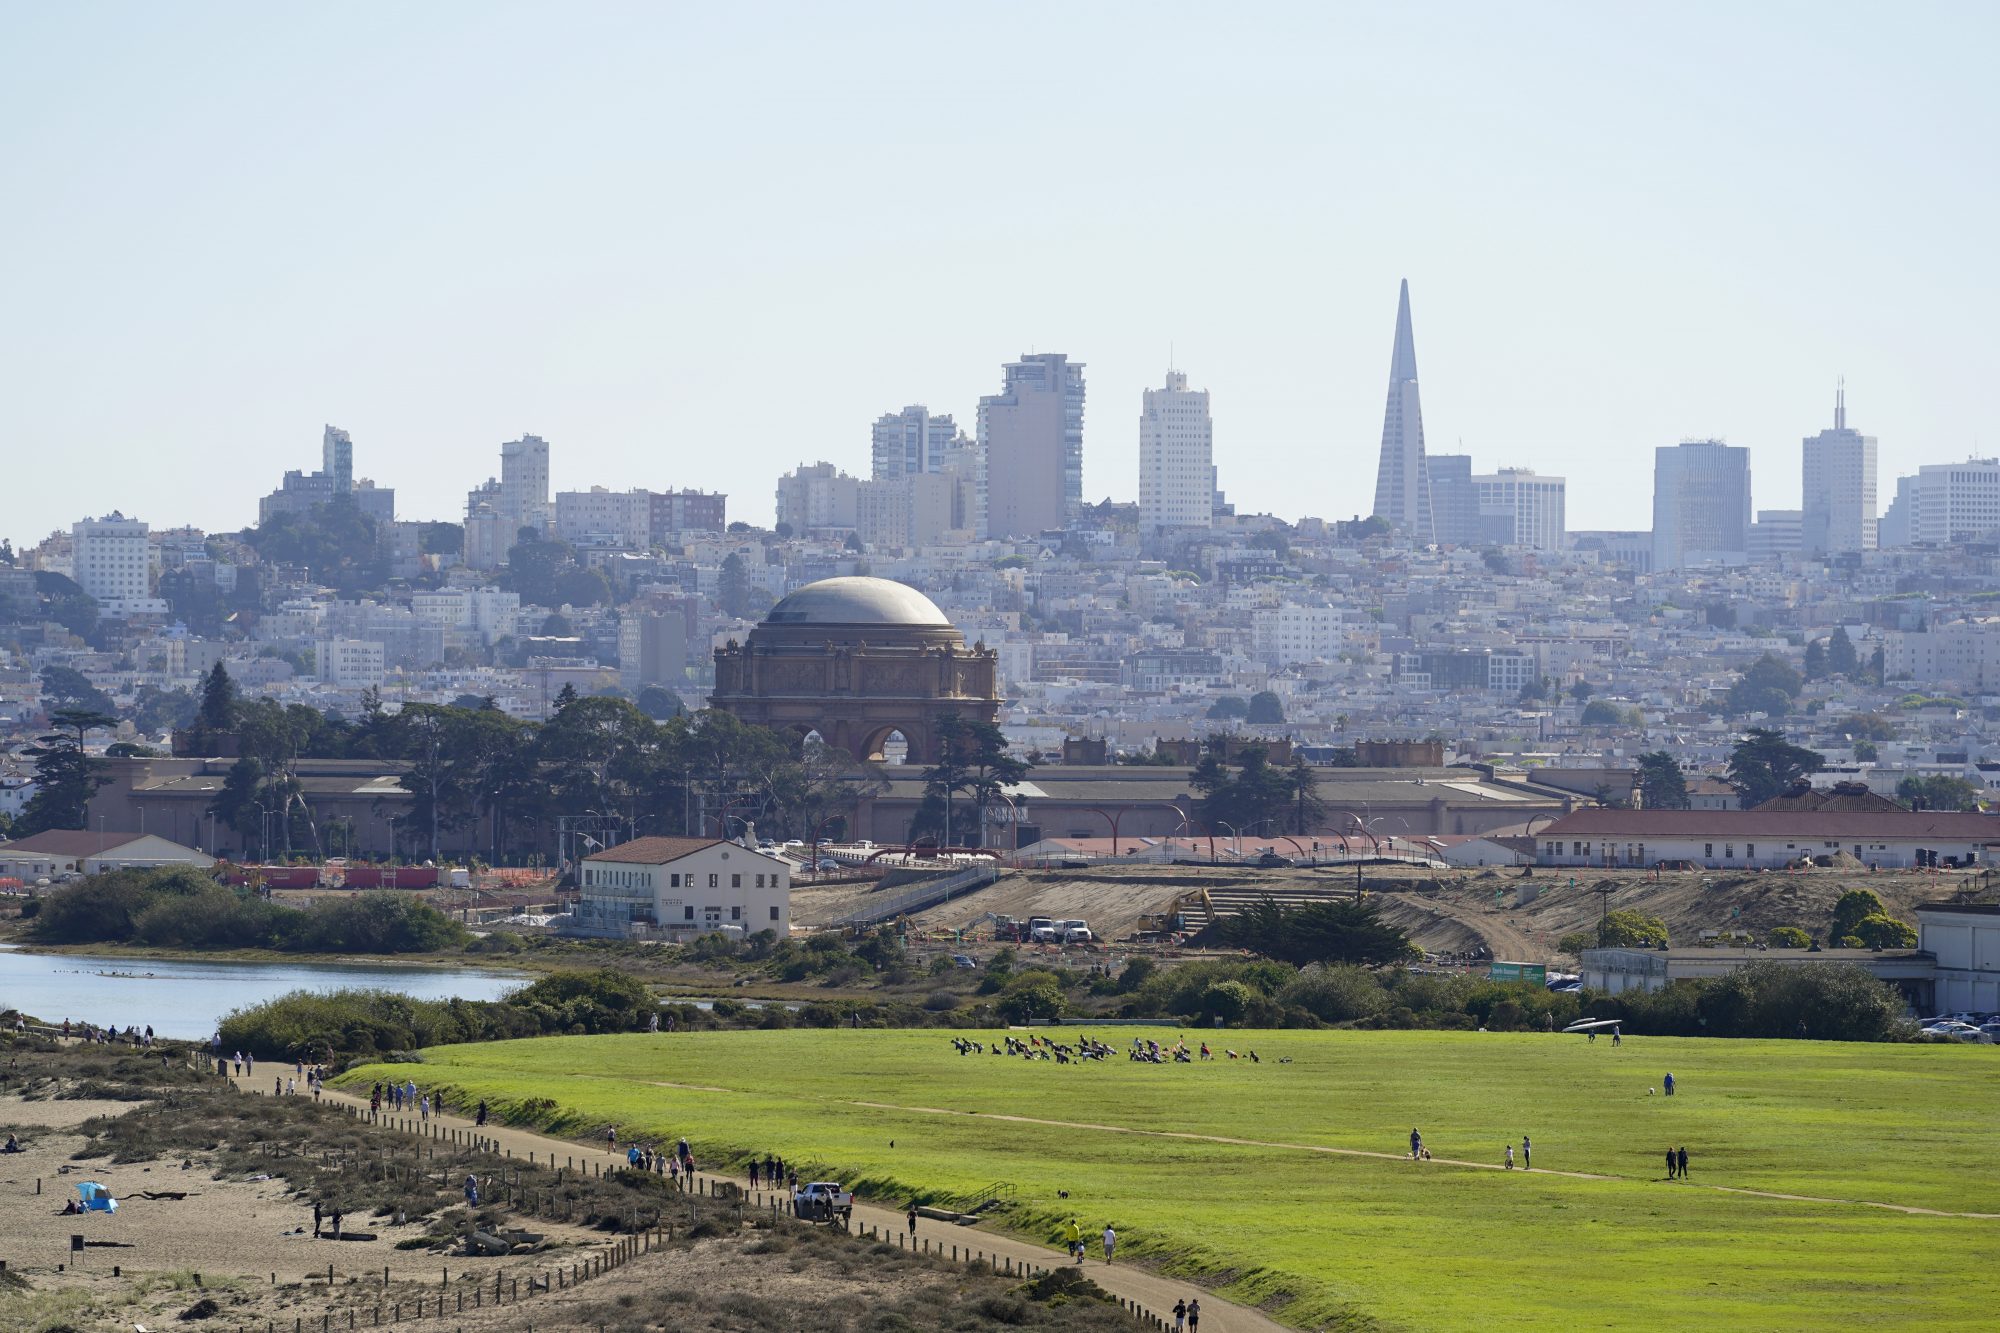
{"points": [[1148, 1288]]}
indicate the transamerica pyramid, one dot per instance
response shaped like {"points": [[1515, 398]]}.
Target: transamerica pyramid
{"points": [[1402, 487]]}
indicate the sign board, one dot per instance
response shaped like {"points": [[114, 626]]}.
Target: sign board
{"points": [[1535, 972]]}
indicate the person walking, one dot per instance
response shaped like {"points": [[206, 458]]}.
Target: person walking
{"points": [[1110, 1242], [753, 1173], [1668, 1084], [1075, 1233], [1681, 1162], [471, 1191], [1510, 1157], [1670, 1163], [1194, 1316], [479, 1117], [1527, 1154], [913, 1225], [1416, 1145], [611, 1139], [316, 1216], [1180, 1316]]}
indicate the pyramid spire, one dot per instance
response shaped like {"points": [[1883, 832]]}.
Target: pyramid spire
{"points": [[1403, 362], [1402, 480]]}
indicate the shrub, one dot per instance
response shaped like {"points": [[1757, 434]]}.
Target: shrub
{"points": [[1338, 994], [940, 1001], [1789, 937]]}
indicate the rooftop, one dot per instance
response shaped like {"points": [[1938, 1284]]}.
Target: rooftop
{"points": [[856, 600]]}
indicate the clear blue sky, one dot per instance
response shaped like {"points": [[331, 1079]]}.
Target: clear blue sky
{"points": [[696, 245]]}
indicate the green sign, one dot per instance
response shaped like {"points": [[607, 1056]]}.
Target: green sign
{"points": [[1535, 972]]}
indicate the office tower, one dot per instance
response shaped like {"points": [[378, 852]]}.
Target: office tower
{"points": [[1518, 507], [1839, 487], [1776, 532], [1947, 502], [1454, 502], [524, 482], [1701, 505], [1402, 490], [911, 442], [111, 560], [1176, 458], [336, 451], [1894, 527], [1030, 476]]}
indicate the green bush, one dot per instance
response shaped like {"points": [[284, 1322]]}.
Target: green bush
{"points": [[1789, 937], [1339, 994]]}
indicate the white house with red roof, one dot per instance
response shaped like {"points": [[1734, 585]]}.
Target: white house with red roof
{"points": [[676, 888]]}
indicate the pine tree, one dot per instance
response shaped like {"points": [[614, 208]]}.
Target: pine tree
{"points": [[1841, 659], [218, 703]]}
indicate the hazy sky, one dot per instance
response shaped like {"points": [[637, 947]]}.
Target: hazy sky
{"points": [[697, 245]]}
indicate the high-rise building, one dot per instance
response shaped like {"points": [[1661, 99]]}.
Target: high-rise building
{"points": [[1701, 505], [1839, 510], [336, 451], [1402, 487], [112, 561], [1176, 458], [1894, 527], [1776, 532], [818, 496], [675, 512], [600, 517], [524, 481], [911, 441], [1518, 507], [1454, 502], [1030, 471], [300, 491], [1947, 502]]}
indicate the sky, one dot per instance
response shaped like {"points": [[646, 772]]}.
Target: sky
{"points": [[697, 245]]}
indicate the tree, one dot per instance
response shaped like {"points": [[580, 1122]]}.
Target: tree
{"points": [[1265, 707], [1661, 783], [1881, 931], [65, 776], [1764, 764], [1767, 685], [1865, 752], [1789, 937], [65, 602], [1535, 689], [70, 688], [732, 590], [1940, 792], [1581, 690], [1229, 708], [972, 758], [1849, 911], [1816, 659], [1324, 932], [1308, 809], [1602, 713], [658, 702], [335, 542], [1629, 929], [1841, 658]]}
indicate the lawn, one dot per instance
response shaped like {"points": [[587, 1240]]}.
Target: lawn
{"points": [[1332, 1240]]}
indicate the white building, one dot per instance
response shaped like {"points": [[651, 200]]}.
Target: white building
{"points": [[1950, 502], [912, 442], [1029, 470], [1281, 635], [1768, 839], [1961, 653], [600, 517], [61, 852], [665, 888], [113, 562], [1965, 940], [1776, 532], [816, 497], [349, 664], [1521, 508], [1701, 505], [524, 482], [1839, 478], [1176, 458]]}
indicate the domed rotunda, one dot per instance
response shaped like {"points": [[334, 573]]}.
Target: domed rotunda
{"points": [[857, 660]]}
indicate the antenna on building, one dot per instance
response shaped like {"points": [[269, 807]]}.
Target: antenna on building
{"points": [[1840, 404]]}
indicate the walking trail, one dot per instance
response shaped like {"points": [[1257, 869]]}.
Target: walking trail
{"points": [[1150, 1289]]}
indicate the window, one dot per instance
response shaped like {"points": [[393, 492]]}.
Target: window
{"points": [[736, 881], [1749, 849], [1728, 851], [1708, 849], [714, 881], [760, 881], [774, 911], [735, 913], [673, 881], [690, 911]]}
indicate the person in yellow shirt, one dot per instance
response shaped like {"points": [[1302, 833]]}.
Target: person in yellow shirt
{"points": [[1075, 1233]]}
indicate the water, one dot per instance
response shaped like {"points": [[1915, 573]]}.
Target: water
{"points": [[185, 1000]]}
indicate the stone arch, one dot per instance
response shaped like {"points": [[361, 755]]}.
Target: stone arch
{"points": [[876, 740]]}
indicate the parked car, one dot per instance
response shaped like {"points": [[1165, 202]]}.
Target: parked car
{"points": [[964, 960], [828, 863], [1270, 860], [823, 1201]]}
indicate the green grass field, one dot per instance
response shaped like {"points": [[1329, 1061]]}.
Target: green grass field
{"points": [[1329, 1240]]}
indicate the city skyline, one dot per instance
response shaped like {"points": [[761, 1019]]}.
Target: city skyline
{"points": [[1599, 315]]}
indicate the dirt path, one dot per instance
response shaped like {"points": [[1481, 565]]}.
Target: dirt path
{"points": [[1155, 1292]]}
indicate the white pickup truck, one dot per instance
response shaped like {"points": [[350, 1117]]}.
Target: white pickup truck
{"points": [[823, 1201]]}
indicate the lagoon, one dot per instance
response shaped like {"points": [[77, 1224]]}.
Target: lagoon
{"points": [[185, 999]]}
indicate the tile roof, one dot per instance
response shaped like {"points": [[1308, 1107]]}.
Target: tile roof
{"points": [[652, 851], [70, 842]]}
